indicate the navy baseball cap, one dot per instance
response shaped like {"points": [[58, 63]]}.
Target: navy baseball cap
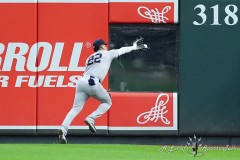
{"points": [[97, 43]]}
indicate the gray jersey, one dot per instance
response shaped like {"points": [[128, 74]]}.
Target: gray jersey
{"points": [[98, 63]]}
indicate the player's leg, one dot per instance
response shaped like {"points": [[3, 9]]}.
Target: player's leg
{"points": [[102, 95], [79, 101]]}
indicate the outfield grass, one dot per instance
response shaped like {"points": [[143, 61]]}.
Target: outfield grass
{"points": [[108, 152]]}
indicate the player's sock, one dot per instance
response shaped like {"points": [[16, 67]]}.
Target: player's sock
{"points": [[64, 129]]}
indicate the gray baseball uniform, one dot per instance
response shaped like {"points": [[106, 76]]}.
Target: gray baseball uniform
{"points": [[97, 66]]}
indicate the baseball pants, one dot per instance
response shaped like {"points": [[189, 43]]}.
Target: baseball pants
{"points": [[85, 89]]}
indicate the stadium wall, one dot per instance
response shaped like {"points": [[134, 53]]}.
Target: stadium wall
{"points": [[49, 41]]}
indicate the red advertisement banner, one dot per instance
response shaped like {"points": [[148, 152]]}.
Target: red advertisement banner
{"points": [[143, 111], [18, 27], [143, 11]]}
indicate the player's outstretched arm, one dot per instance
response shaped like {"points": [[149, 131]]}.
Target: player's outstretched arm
{"points": [[137, 45]]}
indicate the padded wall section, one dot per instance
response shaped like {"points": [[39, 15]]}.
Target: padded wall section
{"points": [[142, 113], [18, 36]]}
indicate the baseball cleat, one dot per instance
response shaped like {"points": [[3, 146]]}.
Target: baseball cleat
{"points": [[62, 138], [91, 126]]}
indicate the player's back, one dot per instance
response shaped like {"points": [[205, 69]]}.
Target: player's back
{"points": [[98, 63]]}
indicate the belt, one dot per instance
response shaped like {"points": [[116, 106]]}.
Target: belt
{"points": [[91, 77]]}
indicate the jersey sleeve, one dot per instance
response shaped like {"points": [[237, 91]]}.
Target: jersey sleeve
{"points": [[113, 54], [118, 52]]}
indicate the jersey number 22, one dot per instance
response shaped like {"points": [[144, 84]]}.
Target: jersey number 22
{"points": [[94, 59]]}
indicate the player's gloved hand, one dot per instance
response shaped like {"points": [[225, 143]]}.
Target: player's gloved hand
{"points": [[138, 44]]}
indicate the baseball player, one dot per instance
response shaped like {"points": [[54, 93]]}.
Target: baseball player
{"points": [[89, 85]]}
